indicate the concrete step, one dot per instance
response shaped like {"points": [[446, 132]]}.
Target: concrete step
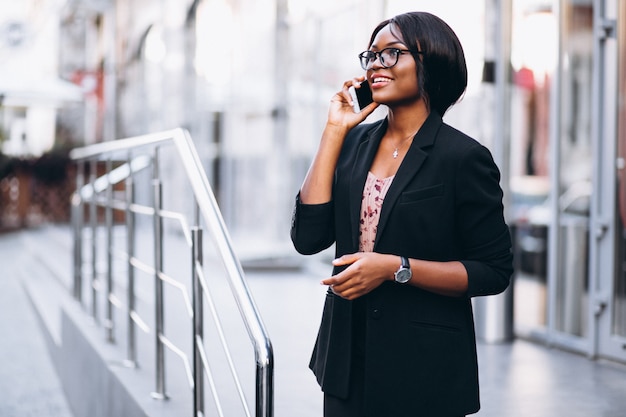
{"points": [[82, 351]]}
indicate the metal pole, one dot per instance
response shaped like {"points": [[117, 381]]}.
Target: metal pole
{"points": [[279, 156], [158, 283], [131, 357], [108, 217], [109, 128], [77, 223], [93, 220], [265, 386], [198, 322], [554, 236], [603, 130]]}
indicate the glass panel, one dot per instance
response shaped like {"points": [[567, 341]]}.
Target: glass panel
{"points": [[619, 294], [575, 168], [529, 160]]}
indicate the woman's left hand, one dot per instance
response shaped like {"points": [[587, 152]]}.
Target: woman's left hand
{"points": [[366, 271]]}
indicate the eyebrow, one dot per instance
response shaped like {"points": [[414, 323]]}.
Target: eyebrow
{"points": [[388, 45]]}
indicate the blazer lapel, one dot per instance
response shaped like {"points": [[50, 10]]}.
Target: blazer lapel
{"points": [[410, 166], [362, 163]]}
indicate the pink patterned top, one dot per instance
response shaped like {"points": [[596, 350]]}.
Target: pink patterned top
{"points": [[373, 195]]}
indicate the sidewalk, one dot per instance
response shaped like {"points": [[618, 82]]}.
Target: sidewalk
{"points": [[29, 385], [520, 379]]}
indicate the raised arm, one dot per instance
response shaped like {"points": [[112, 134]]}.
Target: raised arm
{"points": [[317, 186]]}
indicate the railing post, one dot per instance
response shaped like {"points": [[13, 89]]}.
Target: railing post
{"points": [[109, 323], [93, 221], [198, 322], [131, 356], [265, 384], [77, 227], [158, 283]]}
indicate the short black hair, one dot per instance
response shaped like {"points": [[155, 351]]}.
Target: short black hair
{"points": [[438, 54]]}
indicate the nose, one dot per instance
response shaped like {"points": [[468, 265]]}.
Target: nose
{"points": [[376, 62]]}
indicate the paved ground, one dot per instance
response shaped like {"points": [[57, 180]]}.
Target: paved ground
{"points": [[519, 379], [29, 385]]}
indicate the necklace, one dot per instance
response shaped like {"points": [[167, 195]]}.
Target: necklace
{"points": [[395, 151]]}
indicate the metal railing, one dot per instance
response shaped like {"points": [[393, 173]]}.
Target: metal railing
{"points": [[121, 161]]}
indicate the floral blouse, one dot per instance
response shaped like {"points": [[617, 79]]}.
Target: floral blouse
{"points": [[373, 195]]}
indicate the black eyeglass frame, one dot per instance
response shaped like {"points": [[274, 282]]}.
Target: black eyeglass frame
{"points": [[372, 56]]}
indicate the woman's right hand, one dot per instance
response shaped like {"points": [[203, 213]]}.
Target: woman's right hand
{"points": [[318, 183], [341, 113]]}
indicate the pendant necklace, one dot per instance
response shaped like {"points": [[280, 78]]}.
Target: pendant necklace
{"points": [[395, 151]]}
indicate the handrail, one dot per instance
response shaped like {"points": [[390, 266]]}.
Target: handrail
{"points": [[207, 207], [113, 146]]}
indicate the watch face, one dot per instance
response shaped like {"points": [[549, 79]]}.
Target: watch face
{"points": [[403, 275]]}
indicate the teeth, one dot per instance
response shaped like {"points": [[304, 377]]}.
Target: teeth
{"points": [[381, 79]]}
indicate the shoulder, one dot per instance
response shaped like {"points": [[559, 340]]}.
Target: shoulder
{"points": [[459, 154], [454, 136], [458, 144]]}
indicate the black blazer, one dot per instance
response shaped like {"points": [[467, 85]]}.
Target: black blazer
{"points": [[445, 203]]}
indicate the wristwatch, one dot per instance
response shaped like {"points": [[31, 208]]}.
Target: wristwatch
{"points": [[403, 274]]}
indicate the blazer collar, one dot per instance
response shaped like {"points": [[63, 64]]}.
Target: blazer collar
{"points": [[410, 166]]}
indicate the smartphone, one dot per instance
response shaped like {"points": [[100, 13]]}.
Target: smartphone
{"points": [[361, 97]]}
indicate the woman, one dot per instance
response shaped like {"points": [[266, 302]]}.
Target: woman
{"points": [[414, 209]]}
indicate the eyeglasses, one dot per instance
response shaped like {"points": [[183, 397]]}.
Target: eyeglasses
{"points": [[388, 57]]}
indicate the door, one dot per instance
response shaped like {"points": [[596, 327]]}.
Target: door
{"points": [[552, 161], [552, 172], [568, 175], [572, 171], [609, 286]]}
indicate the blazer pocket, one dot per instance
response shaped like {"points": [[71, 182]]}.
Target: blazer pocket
{"points": [[421, 194], [445, 327]]}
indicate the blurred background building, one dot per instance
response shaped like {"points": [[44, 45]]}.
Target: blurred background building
{"points": [[251, 81]]}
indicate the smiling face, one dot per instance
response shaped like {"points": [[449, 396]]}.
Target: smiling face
{"points": [[396, 85], [438, 61]]}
